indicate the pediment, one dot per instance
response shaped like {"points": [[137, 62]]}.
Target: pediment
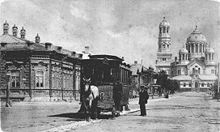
{"points": [[195, 62]]}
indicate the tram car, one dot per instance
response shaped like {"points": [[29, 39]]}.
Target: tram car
{"points": [[105, 71]]}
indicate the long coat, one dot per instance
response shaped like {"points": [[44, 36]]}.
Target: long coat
{"points": [[143, 97]]}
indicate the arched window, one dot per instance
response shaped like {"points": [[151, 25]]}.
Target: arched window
{"points": [[164, 29], [200, 48]]}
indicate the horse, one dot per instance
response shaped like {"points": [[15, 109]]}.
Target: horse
{"points": [[90, 99]]}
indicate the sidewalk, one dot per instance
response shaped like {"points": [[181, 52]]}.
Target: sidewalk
{"points": [[50, 116]]}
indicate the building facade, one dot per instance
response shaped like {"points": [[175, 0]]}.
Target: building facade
{"points": [[36, 71], [195, 68]]}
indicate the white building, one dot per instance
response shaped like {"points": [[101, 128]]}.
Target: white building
{"points": [[195, 69]]}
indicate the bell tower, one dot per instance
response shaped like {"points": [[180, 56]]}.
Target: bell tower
{"points": [[164, 54]]}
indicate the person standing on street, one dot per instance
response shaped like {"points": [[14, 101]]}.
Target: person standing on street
{"points": [[117, 94], [143, 98]]}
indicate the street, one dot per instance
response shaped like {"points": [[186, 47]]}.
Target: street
{"points": [[182, 112]]}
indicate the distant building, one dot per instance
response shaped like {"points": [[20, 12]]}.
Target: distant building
{"points": [[195, 69], [136, 79], [35, 70]]}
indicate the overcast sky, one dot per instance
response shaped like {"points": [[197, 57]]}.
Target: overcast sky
{"points": [[127, 28]]}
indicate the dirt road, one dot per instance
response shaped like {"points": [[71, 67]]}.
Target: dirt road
{"points": [[184, 112]]}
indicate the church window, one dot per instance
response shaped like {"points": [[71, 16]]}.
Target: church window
{"points": [[164, 29], [196, 48], [160, 30], [179, 72], [15, 79], [200, 48], [39, 79]]}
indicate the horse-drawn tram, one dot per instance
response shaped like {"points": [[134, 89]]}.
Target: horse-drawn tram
{"points": [[111, 76]]}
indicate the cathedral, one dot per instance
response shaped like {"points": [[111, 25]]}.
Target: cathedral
{"points": [[195, 68]]}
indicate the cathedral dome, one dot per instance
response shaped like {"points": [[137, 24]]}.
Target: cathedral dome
{"points": [[196, 36], [183, 50], [164, 23]]}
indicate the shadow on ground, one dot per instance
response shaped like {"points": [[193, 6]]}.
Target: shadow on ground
{"points": [[78, 116]]}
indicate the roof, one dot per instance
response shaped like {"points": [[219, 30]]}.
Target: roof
{"points": [[196, 36], [210, 50], [199, 62], [15, 44], [109, 57], [6, 38], [182, 77], [164, 23], [208, 77], [183, 50]]}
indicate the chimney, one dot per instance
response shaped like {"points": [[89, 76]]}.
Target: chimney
{"points": [[175, 59], [5, 28], [48, 46], [22, 33], [59, 48], [80, 56], [86, 49], [15, 30], [29, 43], [73, 54], [3, 45], [37, 39]]}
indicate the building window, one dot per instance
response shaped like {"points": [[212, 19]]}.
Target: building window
{"points": [[15, 79], [208, 85], [39, 79], [212, 71], [190, 85], [202, 84], [184, 85]]}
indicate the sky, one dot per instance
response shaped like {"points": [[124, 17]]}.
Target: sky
{"points": [[126, 28]]}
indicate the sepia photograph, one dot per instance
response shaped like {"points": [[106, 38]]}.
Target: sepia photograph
{"points": [[110, 65]]}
